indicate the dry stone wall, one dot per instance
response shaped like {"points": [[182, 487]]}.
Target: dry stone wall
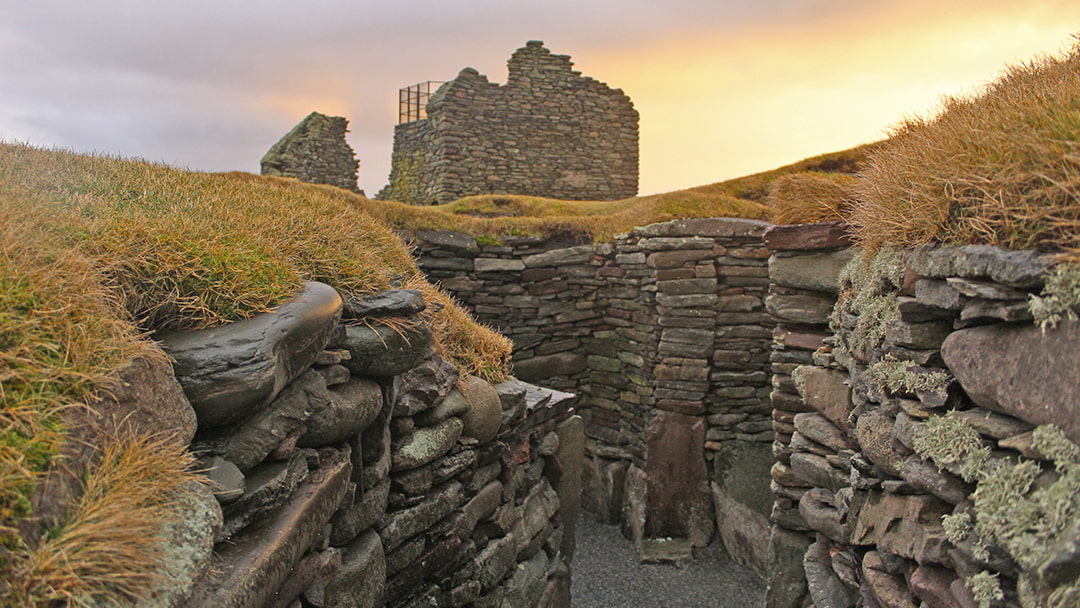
{"points": [[350, 466], [664, 335], [549, 131], [927, 444], [315, 151]]}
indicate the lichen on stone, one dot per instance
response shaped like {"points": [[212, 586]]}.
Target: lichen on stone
{"points": [[1060, 297], [958, 526], [949, 441], [868, 287], [985, 588], [896, 376]]}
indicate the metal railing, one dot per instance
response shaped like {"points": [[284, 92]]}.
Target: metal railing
{"points": [[412, 100]]}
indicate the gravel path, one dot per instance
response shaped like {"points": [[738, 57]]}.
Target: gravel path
{"points": [[606, 574]]}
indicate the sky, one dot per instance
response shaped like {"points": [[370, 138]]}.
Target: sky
{"points": [[724, 88]]}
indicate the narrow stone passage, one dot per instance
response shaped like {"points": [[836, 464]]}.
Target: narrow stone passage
{"points": [[607, 574]]}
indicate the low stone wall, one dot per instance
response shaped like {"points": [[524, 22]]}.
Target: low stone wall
{"points": [[351, 466], [664, 335], [916, 461]]}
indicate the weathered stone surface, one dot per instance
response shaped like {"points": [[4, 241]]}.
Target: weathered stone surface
{"points": [[571, 456], [381, 350], [548, 366], [874, 432], [480, 507], [226, 480], [526, 584], [360, 581], [991, 424], [400, 526], [826, 391], [186, 549], [744, 531], [708, 227], [484, 412], [819, 510], [495, 561], [1020, 371], [807, 309], [817, 470], [679, 496], [907, 525], [927, 477], [1019, 268], [252, 442], [817, 427], [816, 272], [996, 310], [352, 407], [786, 578], [938, 294], [823, 235], [425, 444], [423, 386], [560, 257], [267, 487], [918, 336], [932, 585], [498, 265], [447, 239], [661, 260], [824, 586], [229, 372], [887, 590], [389, 303], [253, 566], [147, 400], [365, 511]]}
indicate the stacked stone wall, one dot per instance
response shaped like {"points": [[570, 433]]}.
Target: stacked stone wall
{"points": [[349, 465], [664, 335], [902, 436], [549, 131]]}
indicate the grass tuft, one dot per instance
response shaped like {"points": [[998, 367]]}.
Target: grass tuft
{"points": [[1001, 167], [808, 197]]}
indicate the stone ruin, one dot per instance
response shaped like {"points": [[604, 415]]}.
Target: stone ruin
{"points": [[549, 131], [315, 151]]}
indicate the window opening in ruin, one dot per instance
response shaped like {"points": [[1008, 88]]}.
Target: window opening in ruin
{"points": [[412, 100]]}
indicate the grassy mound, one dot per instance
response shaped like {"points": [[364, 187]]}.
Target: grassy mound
{"points": [[811, 196], [1001, 167], [94, 253]]}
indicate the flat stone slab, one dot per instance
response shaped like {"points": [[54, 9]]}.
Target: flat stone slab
{"points": [[705, 227], [822, 235], [389, 303], [254, 565], [817, 271], [1020, 371], [381, 350], [229, 372], [1019, 268]]}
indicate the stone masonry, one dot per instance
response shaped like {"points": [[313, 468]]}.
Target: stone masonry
{"points": [[315, 151], [549, 131]]}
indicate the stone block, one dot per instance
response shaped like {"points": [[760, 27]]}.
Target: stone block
{"points": [[814, 272], [803, 309], [497, 265], [679, 501], [823, 235]]}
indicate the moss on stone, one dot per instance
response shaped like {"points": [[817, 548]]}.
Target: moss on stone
{"points": [[950, 442], [868, 286], [985, 588]]}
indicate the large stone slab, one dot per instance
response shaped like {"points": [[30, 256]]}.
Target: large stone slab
{"points": [[1021, 371], [785, 578], [1023, 268], [826, 391], [816, 272], [679, 502], [823, 235], [352, 407], [548, 366], [744, 532], [229, 372], [706, 227], [800, 308], [254, 564]]}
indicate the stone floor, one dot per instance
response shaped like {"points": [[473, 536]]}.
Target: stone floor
{"points": [[607, 574]]}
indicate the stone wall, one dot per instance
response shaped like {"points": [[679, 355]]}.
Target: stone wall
{"points": [[914, 464], [664, 335], [353, 467], [315, 151], [549, 131]]}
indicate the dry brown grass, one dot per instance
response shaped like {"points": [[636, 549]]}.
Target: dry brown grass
{"points": [[107, 548], [1002, 167], [96, 251], [801, 198]]}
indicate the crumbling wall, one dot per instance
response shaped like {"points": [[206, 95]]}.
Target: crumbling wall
{"points": [[549, 131], [349, 465], [315, 151], [927, 444]]}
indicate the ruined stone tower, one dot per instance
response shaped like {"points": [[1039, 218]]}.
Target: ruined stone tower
{"points": [[315, 151], [549, 131]]}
